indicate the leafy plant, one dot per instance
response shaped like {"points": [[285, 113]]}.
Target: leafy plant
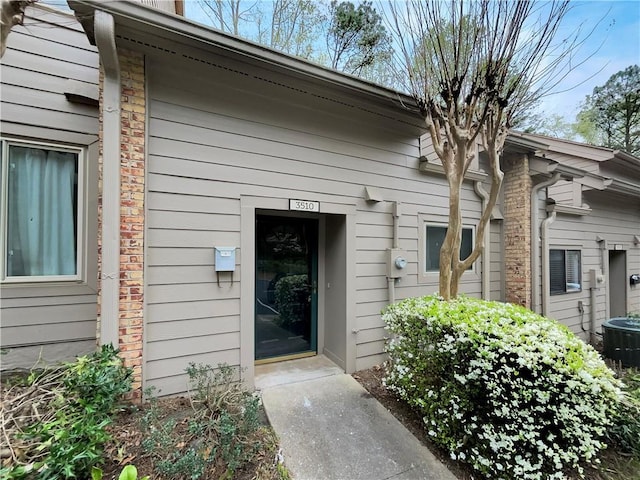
{"points": [[514, 394], [129, 472], [222, 432], [625, 432], [77, 401]]}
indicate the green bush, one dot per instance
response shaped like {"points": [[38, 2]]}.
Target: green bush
{"points": [[514, 394], [65, 439], [222, 434], [625, 432], [292, 296]]}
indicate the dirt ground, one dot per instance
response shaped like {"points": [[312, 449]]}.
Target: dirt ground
{"points": [[616, 466], [126, 444]]}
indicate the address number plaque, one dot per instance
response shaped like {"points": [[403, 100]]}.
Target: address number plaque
{"points": [[304, 205]]}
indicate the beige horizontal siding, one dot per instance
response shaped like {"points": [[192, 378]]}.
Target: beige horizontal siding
{"points": [[52, 321], [616, 219], [221, 136]]}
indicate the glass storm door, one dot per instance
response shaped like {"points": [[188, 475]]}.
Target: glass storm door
{"points": [[286, 286]]}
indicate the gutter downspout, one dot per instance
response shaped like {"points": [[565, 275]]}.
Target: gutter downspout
{"points": [[486, 243], [535, 242], [104, 31], [593, 290], [391, 282], [544, 233]]}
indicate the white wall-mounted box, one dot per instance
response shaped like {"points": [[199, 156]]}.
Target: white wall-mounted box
{"points": [[225, 259]]}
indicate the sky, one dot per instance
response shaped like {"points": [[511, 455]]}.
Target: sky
{"points": [[613, 45]]}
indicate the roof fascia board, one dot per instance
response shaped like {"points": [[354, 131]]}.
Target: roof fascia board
{"points": [[544, 166], [561, 145], [437, 168], [625, 160], [174, 25], [624, 187], [541, 166], [515, 139], [594, 181], [569, 209]]}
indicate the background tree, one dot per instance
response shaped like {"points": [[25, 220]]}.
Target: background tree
{"points": [[553, 125], [610, 116], [290, 26], [472, 67], [356, 37], [225, 15], [342, 35]]}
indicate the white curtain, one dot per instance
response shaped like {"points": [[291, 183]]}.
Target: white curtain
{"points": [[41, 212]]}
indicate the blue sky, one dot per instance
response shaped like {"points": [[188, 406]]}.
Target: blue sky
{"points": [[617, 41]]}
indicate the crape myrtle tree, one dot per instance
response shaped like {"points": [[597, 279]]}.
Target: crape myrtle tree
{"points": [[472, 67]]}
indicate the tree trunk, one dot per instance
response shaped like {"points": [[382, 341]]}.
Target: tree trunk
{"points": [[450, 250]]}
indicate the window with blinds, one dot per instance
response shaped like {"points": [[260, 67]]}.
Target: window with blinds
{"points": [[565, 275]]}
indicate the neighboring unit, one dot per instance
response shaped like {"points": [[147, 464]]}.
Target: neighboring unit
{"points": [[577, 219], [48, 185]]}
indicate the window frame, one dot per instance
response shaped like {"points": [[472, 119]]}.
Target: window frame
{"points": [[81, 153], [432, 276], [567, 290]]}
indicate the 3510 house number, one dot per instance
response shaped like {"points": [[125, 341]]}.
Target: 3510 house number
{"points": [[304, 206]]}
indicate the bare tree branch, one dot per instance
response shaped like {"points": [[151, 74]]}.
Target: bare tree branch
{"points": [[472, 67]]}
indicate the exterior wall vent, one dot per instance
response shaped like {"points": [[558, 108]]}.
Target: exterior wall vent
{"points": [[622, 340]]}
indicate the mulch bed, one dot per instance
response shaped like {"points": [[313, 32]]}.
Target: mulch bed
{"points": [[371, 380]]}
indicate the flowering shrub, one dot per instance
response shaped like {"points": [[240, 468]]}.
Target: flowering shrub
{"points": [[514, 394]]}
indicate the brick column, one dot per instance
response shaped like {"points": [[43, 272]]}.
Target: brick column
{"points": [[517, 228], [132, 178]]}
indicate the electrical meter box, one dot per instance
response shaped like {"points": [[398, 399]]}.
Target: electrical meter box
{"points": [[396, 262], [225, 259]]}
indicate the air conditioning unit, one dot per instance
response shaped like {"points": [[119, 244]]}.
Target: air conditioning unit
{"points": [[621, 337]]}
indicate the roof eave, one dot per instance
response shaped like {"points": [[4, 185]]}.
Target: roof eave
{"points": [[168, 23], [624, 187]]}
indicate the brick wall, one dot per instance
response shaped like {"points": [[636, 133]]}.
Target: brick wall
{"points": [[132, 176], [517, 228]]}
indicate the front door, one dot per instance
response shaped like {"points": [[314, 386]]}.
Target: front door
{"points": [[617, 283], [286, 286]]}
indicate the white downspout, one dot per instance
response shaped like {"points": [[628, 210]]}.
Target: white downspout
{"points": [[104, 32], [535, 241], [544, 231], [391, 282], [486, 243]]}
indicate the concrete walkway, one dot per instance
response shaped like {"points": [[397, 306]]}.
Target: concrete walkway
{"points": [[331, 428]]}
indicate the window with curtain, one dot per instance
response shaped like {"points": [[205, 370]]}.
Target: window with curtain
{"points": [[565, 274], [40, 211], [434, 240]]}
